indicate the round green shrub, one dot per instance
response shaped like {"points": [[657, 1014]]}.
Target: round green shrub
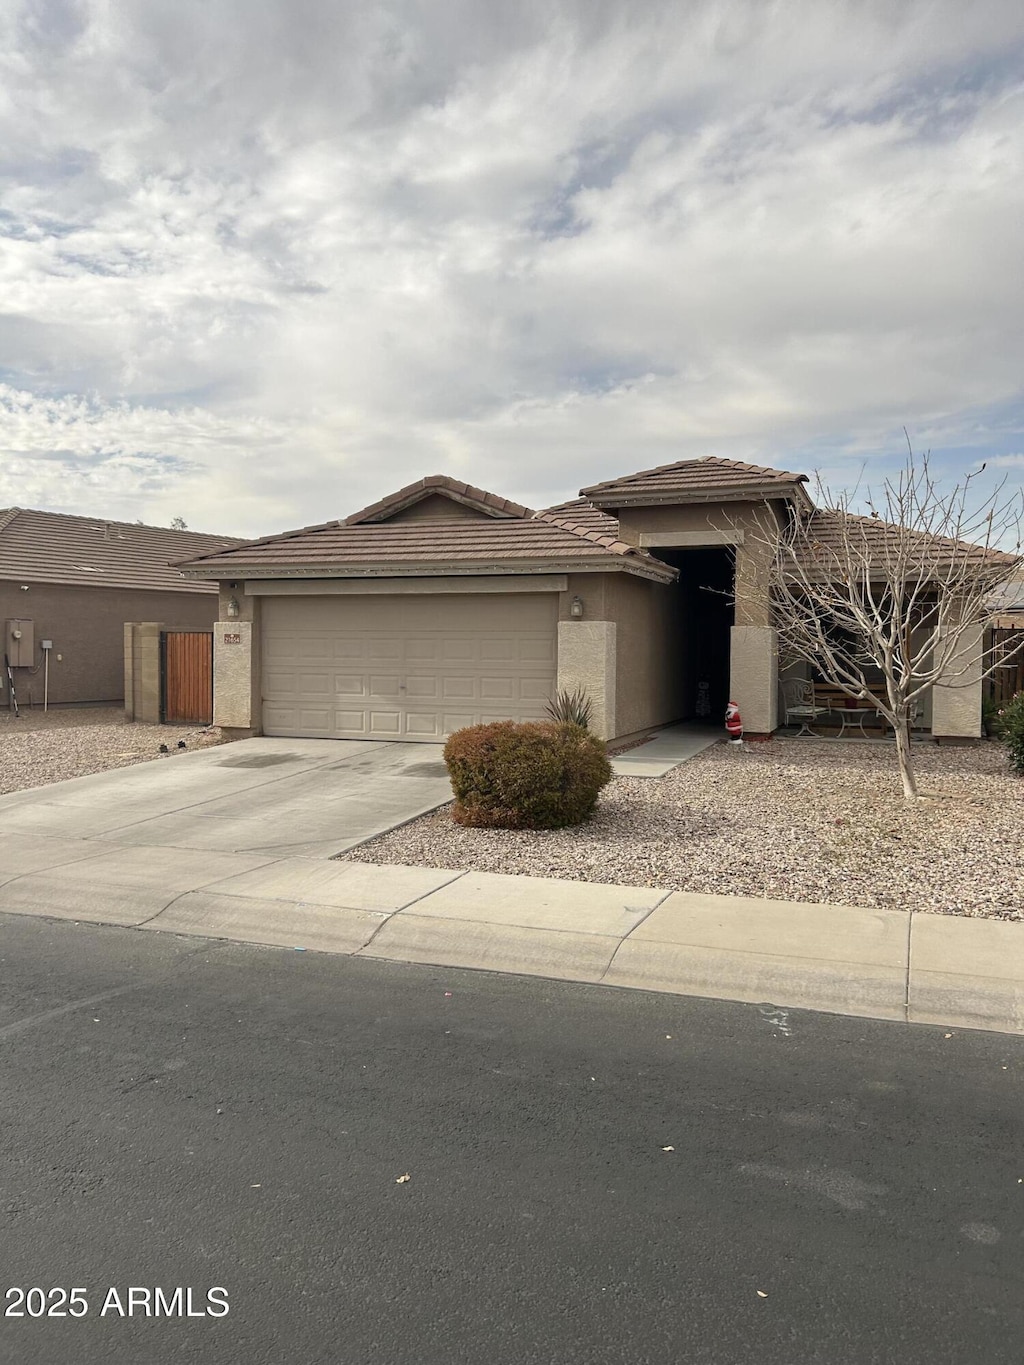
{"points": [[1011, 731], [532, 775]]}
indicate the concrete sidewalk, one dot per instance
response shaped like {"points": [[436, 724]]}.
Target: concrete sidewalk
{"points": [[840, 959]]}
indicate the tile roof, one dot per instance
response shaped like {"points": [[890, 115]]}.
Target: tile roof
{"points": [[585, 514], [490, 504], [541, 539], [876, 538], [54, 547], [695, 479], [1010, 596]]}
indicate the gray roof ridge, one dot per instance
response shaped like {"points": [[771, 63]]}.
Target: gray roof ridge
{"points": [[492, 504], [719, 461]]}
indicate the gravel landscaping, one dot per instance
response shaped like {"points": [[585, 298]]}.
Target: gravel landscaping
{"points": [[789, 819], [48, 746]]}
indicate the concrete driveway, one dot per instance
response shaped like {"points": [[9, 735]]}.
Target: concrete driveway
{"points": [[120, 847], [277, 798]]}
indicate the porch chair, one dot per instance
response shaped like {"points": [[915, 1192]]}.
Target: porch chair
{"points": [[799, 704]]}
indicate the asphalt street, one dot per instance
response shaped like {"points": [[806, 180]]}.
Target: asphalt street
{"points": [[594, 1176]]}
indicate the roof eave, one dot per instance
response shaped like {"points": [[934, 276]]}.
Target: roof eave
{"points": [[641, 568], [760, 492]]}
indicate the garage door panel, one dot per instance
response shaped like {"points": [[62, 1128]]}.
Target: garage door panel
{"points": [[386, 651], [385, 685], [458, 720], [422, 650], [535, 691], [534, 649], [458, 688], [316, 722], [499, 651], [296, 682], [300, 649], [279, 718], [419, 689], [422, 725], [405, 667], [459, 649], [385, 724], [499, 689]]}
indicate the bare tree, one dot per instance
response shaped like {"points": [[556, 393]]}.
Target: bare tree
{"points": [[905, 592], [179, 524]]}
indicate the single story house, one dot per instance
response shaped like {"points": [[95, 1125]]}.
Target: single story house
{"points": [[443, 605], [75, 582], [1004, 640]]}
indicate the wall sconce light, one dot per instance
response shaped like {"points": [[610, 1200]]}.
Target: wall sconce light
{"points": [[576, 608], [233, 609]]}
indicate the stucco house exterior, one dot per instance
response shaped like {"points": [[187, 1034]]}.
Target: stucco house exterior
{"points": [[75, 582], [444, 605]]}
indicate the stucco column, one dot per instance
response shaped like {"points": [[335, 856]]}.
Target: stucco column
{"points": [[129, 670], [237, 697], [586, 659], [142, 671], [956, 705], [754, 677]]}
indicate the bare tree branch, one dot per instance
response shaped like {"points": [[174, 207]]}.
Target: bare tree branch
{"points": [[906, 591]]}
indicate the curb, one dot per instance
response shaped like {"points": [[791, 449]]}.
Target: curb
{"points": [[908, 967]]}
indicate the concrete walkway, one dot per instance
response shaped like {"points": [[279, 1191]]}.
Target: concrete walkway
{"points": [[668, 748]]}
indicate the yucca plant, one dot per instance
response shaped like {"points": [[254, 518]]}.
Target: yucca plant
{"points": [[571, 708]]}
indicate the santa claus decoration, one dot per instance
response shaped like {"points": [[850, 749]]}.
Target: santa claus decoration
{"points": [[733, 724]]}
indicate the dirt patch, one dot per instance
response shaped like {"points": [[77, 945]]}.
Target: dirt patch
{"points": [[40, 747]]}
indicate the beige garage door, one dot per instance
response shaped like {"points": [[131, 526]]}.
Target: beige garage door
{"points": [[413, 668]]}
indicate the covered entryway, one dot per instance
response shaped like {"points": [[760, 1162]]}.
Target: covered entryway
{"points": [[405, 667], [706, 617]]}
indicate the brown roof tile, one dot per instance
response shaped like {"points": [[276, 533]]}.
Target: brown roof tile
{"points": [[584, 513], [490, 504], [581, 526], [693, 478], [876, 538], [410, 546], [53, 547]]}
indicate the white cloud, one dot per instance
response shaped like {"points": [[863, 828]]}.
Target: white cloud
{"points": [[264, 261]]}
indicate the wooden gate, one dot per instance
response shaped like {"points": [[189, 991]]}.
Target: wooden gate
{"points": [[186, 677], [1008, 656]]}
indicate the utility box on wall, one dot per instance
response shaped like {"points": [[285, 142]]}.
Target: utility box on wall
{"points": [[20, 643]]}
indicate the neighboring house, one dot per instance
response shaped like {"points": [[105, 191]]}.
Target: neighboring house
{"points": [[1005, 637], [76, 581], [443, 605]]}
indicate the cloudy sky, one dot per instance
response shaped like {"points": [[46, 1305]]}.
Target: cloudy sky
{"points": [[262, 261]]}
